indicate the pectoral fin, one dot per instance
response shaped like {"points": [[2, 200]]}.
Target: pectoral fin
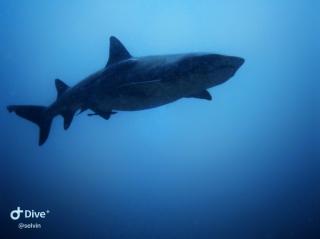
{"points": [[205, 95]]}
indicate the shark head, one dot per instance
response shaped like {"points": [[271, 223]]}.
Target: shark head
{"points": [[209, 70]]}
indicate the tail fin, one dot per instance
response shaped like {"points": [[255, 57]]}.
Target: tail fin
{"points": [[37, 115]]}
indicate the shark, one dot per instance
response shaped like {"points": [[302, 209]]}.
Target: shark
{"points": [[129, 83]]}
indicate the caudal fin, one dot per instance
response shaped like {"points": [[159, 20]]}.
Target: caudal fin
{"points": [[37, 115]]}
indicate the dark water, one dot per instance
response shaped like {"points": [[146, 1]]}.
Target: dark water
{"points": [[245, 165]]}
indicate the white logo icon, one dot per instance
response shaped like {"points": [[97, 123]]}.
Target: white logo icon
{"points": [[15, 214]]}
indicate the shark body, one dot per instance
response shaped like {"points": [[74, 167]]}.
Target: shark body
{"points": [[130, 83]]}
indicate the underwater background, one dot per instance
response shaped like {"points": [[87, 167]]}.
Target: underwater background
{"points": [[244, 165]]}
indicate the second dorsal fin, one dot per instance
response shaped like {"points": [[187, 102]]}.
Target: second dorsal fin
{"points": [[117, 51], [61, 87]]}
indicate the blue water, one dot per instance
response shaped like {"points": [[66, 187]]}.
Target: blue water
{"points": [[245, 165]]}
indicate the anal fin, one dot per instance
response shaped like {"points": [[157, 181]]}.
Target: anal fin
{"points": [[67, 118]]}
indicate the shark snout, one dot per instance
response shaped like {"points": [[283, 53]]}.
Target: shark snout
{"points": [[224, 67], [215, 61], [235, 62]]}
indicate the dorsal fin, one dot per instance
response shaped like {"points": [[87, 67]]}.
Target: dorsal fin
{"points": [[61, 87], [117, 52]]}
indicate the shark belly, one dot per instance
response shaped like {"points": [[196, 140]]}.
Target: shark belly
{"points": [[133, 103], [140, 96], [145, 95]]}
